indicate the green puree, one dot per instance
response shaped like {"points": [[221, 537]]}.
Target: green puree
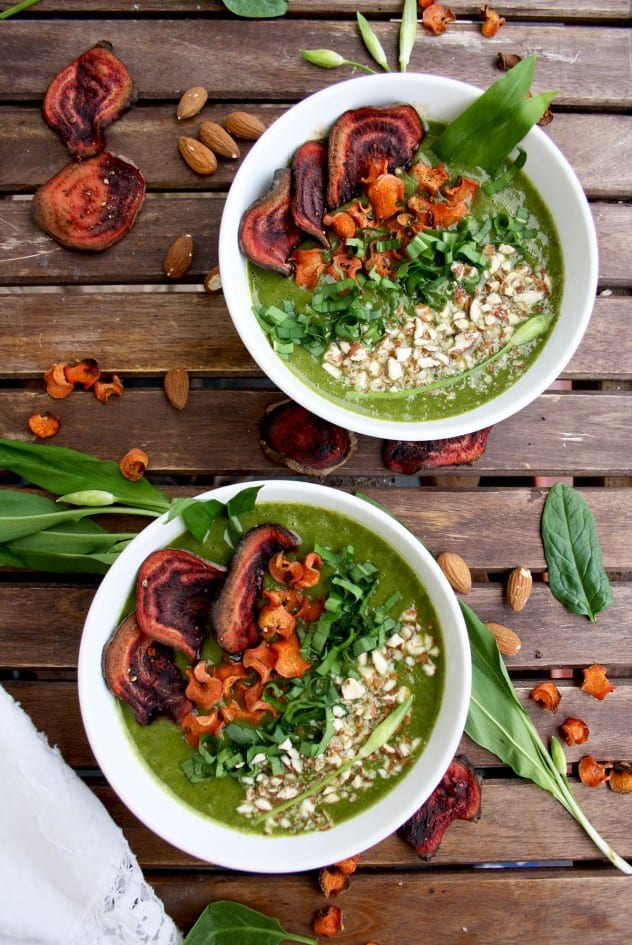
{"points": [[161, 744], [541, 251]]}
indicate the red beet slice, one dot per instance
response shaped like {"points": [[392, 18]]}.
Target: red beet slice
{"points": [[408, 457], [174, 592], [86, 97], [142, 673], [456, 797], [234, 612], [292, 436], [368, 136], [268, 233], [309, 175], [90, 205]]}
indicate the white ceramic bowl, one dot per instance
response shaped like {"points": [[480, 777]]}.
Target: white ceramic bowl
{"points": [[201, 837], [443, 100]]}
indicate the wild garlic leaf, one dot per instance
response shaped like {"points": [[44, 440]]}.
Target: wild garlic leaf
{"points": [[230, 923], [257, 9], [573, 555]]}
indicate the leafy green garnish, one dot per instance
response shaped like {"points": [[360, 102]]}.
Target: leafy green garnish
{"points": [[484, 135], [573, 555], [199, 514], [257, 9], [230, 923]]}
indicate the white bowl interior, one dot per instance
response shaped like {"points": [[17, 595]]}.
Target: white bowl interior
{"points": [[201, 837], [441, 99]]}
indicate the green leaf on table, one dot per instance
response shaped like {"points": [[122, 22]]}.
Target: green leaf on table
{"points": [[407, 33], [372, 43], [577, 578], [61, 471], [230, 923], [484, 135], [257, 9]]}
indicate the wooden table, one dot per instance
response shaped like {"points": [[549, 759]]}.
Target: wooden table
{"points": [[117, 307]]}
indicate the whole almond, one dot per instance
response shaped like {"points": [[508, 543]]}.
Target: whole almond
{"points": [[179, 256], [218, 140], [244, 125], [192, 102], [509, 643], [176, 386], [213, 281], [456, 571], [199, 158], [519, 586]]}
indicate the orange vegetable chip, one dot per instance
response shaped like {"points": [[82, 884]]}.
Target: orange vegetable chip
{"points": [[57, 384], [261, 659], [575, 731], [592, 773], [134, 464], [289, 662], [546, 695], [595, 682], [386, 195], [349, 865], [436, 18], [621, 778], [44, 425], [84, 372], [275, 621], [104, 390], [193, 726], [332, 881], [492, 23], [328, 922]]}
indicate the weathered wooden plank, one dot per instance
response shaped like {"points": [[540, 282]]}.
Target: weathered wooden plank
{"points": [[551, 637], [559, 434], [127, 333], [163, 55], [148, 135], [30, 257], [488, 906]]}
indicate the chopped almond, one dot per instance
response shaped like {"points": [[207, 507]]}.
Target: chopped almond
{"points": [[84, 372], [575, 731], [104, 390], [134, 464], [44, 425], [546, 695], [592, 773], [328, 922], [595, 681], [332, 881], [57, 385], [492, 23], [436, 18]]}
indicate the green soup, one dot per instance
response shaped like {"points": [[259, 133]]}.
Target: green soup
{"points": [[411, 661]]}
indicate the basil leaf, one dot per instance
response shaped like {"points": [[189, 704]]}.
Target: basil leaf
{"points": [[577, 578], [230, 923], [487, 131], [257, 9], [61, 470]]}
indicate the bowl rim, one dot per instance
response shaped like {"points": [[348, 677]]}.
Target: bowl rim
{"points": [[177, 823], [279, 139]]}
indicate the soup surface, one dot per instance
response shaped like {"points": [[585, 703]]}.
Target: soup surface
{"points": [[392, 653]]}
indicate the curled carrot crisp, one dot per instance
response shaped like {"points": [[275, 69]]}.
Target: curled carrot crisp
{"points": [[575, 731], [332, 881], [620, 780], [595, 681], [57, 384], [328, 922], [348, 865], [103, 390], [592, 773], [492, 23], [134, 464], [44, 425], [546, 695], [85, 372], [436, 18]]}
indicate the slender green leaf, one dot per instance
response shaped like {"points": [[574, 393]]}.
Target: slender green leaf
{"points": [[372, 43], [257, 9], [23, 513], [230, 923], [24, 5], [573, 555], [407, 33], [61, 470], [484, 135], [382, 732]]}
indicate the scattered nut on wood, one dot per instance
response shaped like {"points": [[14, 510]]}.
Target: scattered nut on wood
{"points": [[179, 257], [218, 140], [519, 586], [176, 386], [213, 281], [244, 125], [199, 158], [456, 571], [508, 641], [192, 102]]}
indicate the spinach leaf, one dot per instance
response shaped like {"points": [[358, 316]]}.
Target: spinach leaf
{"points": [[230, 923], [257, 9], [573, 555]]}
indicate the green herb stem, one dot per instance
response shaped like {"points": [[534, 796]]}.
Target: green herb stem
{"points": [[372, 43], [407, 33], [329, 59], [24, 5]]}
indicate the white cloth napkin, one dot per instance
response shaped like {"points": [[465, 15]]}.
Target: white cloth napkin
{"points": [[67, 874]]}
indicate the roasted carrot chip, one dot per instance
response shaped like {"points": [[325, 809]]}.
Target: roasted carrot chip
{"points": [[328, 922], [592, 773], [44, 425], [546, 695], [386, 194], [430, 178], [57, 384], [595, 682], [575, 731], [84, 372], [341, 223], [349, 865], [134, 464], [620, 780], [308, 266], [436, 18], [289, 662], [193, 726], [282, 570], [332, 881], [103, 390], [204, 694], [275, 621], [422, 4], [492, 23], [310, 571], [261, 659]]}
